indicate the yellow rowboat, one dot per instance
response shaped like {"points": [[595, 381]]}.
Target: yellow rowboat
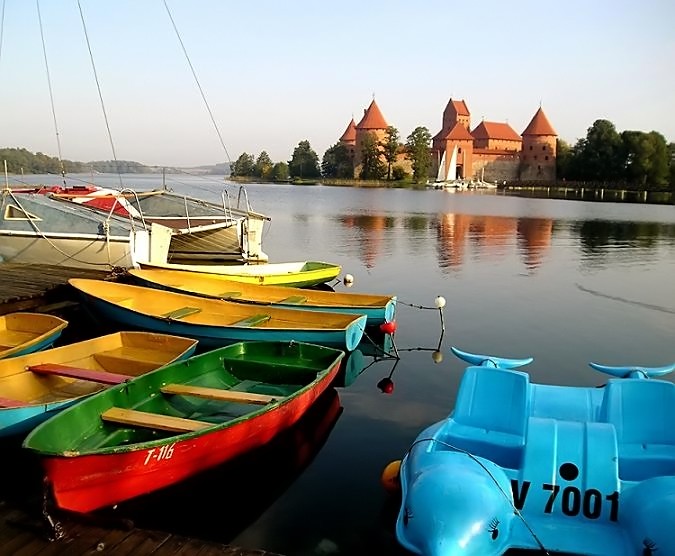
{"points": [[378, 308], [215, 322], [35, 386], [299, 274], [22, 333]]}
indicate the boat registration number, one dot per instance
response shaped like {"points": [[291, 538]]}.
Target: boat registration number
{"points": [[570, 500], [159, 454]]}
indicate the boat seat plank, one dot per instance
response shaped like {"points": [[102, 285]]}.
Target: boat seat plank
{"points": [[294, 300], [226, 295], [181, 313], [218, 394], [9, 402], [103, 377], [254, 320], [152, 420]]}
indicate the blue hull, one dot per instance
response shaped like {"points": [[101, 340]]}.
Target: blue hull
{"points": [[211, 337], [21, 420], [590, 470]]}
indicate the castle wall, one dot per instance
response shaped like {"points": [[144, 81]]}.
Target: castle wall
{"points": [[496, 167]]}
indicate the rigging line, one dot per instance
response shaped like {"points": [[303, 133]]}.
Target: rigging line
{"points": [[194, 74], [100, 95], [2, 26], [51, 93]]}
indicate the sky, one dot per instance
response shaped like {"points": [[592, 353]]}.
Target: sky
{"points": [[275, 73]]}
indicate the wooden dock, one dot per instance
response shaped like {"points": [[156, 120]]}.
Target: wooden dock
{"points": [[29, 287], [21, 535]]}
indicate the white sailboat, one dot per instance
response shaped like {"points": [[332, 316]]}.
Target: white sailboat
{"points": [[448, 180], [452, 170], [440, 176]]}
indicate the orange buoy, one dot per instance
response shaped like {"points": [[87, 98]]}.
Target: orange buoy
{"points": [[391, 479]]}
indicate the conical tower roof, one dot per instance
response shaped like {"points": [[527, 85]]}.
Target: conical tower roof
{"points": [[350, 133], [540, 125], [372, 118]]}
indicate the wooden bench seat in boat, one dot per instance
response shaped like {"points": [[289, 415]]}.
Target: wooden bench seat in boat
{"points": [[254, 320], [9, 402], [218, 394], [145, 419], [103, 377], [294, 300], [227, 295], [135, 360], [181, 313]]}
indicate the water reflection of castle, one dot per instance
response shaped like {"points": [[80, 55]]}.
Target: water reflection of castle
{"points": [[493, 235]]}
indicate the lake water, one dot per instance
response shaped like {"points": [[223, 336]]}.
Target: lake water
{"points": [[566, 282]]}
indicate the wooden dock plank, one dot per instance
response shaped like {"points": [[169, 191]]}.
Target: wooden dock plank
{"points": [[26, 286], [22, 535]]}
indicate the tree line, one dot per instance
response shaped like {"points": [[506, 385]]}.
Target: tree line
{"points": [[605, 157], [633, 159], [22, 161], [378, 160]]}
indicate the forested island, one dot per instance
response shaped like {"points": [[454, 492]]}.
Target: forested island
{"points": [[22, 161]]}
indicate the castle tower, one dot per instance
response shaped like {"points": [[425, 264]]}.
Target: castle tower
{"points": [[348, 138], [454, 132], [372, 122], [538, 157]]}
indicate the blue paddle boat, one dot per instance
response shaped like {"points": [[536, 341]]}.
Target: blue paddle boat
{"points": [[579, 470]]}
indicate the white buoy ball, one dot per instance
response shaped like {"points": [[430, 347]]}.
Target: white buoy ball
{"points": [[349, 280], [439, 302], [437, 356]]}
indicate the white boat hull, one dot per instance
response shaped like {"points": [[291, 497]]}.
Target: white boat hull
{"points": [[80, 251]]}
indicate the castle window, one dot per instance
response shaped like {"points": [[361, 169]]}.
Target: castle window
{"points": [[535, 157], [459, 150], [543, 148], [546, 157], [530, 147]]}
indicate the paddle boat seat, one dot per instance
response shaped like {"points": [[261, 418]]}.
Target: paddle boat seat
{"points": [[491, 414], [643, 414]]}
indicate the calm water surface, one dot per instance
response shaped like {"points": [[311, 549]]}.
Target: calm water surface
{"points": [[566, 282]]}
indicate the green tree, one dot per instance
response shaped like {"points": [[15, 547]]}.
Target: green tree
{"points": [[263, 166], [646, 159], [417, 151], [671, 157], [398, 173], [280, 172], [390, 146], [599, 157], [372, 167], [243, 166], [337, 163], [563, 159], [21, 160], [304, 163]]}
